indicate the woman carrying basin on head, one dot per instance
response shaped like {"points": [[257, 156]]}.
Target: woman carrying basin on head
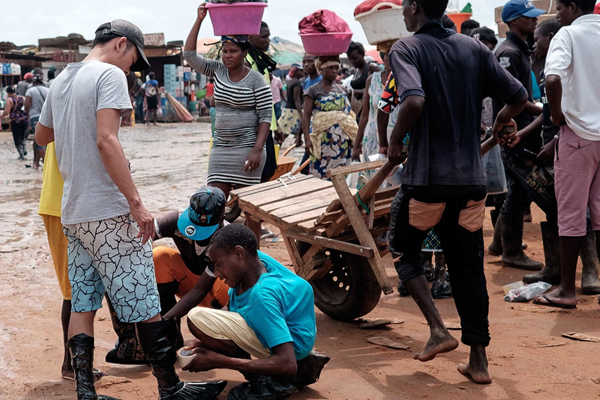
{"points": [[244, 110]]}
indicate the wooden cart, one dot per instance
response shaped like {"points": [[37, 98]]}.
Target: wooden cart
{"points": [[331, 234]]}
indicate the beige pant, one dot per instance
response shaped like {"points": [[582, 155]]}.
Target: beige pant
{"points": [[227, 325]]}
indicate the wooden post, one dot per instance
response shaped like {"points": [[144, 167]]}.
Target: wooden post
{"points": [[362, 232]]}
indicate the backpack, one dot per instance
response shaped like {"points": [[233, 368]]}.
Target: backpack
{"points": [[150, 90]]}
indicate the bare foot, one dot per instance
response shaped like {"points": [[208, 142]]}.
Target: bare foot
{"points": [[556, 298], [438, 343], [481, 377], [477, 368]]}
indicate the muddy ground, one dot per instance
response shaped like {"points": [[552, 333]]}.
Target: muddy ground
{"points": [[169, 163]]}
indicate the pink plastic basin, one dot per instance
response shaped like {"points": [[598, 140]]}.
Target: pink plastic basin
{"points": [[237, 18], [326, 44]]}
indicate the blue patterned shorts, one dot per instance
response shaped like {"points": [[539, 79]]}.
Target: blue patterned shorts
{"points": [[106, 256]]}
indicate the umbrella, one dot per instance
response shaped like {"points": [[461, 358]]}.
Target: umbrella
{"points": [[375, 55]]}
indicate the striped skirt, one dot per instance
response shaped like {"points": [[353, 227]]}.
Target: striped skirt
{"points": [[226, 164]]}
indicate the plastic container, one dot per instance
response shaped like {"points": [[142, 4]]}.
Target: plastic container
{"points": [[6, 69], [326, 44], [15, 69], [383, 25], [237, 18], [459, 18]]}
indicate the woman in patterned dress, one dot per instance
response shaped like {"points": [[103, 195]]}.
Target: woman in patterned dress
{"points": [[329, 119]]}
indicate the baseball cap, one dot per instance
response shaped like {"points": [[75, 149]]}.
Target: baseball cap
{"points": [[520, 8], [203, 217], [133, 34], [28, 75], [297, 66], [486, 34]]}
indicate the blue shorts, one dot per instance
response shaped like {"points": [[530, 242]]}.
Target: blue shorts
{"points": [[105, 256], [32, 123]]}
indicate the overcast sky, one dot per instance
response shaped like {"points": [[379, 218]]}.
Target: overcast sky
{"points": [[25, 22]]}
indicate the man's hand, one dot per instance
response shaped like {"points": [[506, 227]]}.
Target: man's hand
{"points": [[356, 151], [504, 132], [546, 156], [516, 139], [144, 220], [308, 147], [204, 360], [558, 120], [383, 150], [397, 153], [279, 137], [253, 160]]}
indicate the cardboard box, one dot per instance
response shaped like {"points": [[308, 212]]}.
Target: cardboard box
{"points": [[541, 4], [502, 29]]}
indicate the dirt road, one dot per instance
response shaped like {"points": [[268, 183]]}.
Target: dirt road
{"points": [[168, 164]]}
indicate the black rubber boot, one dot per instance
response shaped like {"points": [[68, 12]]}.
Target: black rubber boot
{"points": [[167, 292], [128, 350], [426, 263], [551, 271], [512, 244], [495, 248], [82, 352], [263, 388], [441, 288], [309, 369], [590, 284], [158, 340]]}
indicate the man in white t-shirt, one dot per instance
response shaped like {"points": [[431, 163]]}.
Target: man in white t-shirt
{"points": [[106, 224], [573, 92]]}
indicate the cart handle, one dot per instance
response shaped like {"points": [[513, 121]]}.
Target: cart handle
{"points": [[285, 153]]}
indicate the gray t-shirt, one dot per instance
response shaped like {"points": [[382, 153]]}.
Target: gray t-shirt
{"points": [[80, 91], [38, 94]]}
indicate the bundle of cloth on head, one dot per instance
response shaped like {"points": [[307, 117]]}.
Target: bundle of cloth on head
{"points": [[327, 61], [323, 21]]}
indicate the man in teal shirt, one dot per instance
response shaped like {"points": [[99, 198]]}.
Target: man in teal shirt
{"points": [[271, 317]]}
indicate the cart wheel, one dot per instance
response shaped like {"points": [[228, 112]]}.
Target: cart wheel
{"points": [[349, 290], [232, 212]]}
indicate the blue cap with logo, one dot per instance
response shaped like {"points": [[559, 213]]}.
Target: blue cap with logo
{"points": [[520, 8], [203, 217]]}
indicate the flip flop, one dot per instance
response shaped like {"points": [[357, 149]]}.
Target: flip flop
{"points": [[551, 303]]}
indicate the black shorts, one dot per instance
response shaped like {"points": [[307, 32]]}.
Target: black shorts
{"points": [[152, 103]]}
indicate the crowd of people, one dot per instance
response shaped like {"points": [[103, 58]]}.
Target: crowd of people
{"points": [[427, 109]]}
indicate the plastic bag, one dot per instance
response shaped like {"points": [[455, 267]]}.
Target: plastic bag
{"points": [[159, 112], [527, 292], [494, 171], [323, 21], [352, 179]]}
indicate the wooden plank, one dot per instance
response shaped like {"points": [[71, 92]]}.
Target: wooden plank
{"points": [[360, 167], [280, 193], [371, 214], [293, 252], [307, 261], [362, 232], [245, 191], [327, 243], [300, 199], [307, 216], [329, 216], [264, 216], [369, 190], [337, 227], [388, 192], [307, 205]]}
